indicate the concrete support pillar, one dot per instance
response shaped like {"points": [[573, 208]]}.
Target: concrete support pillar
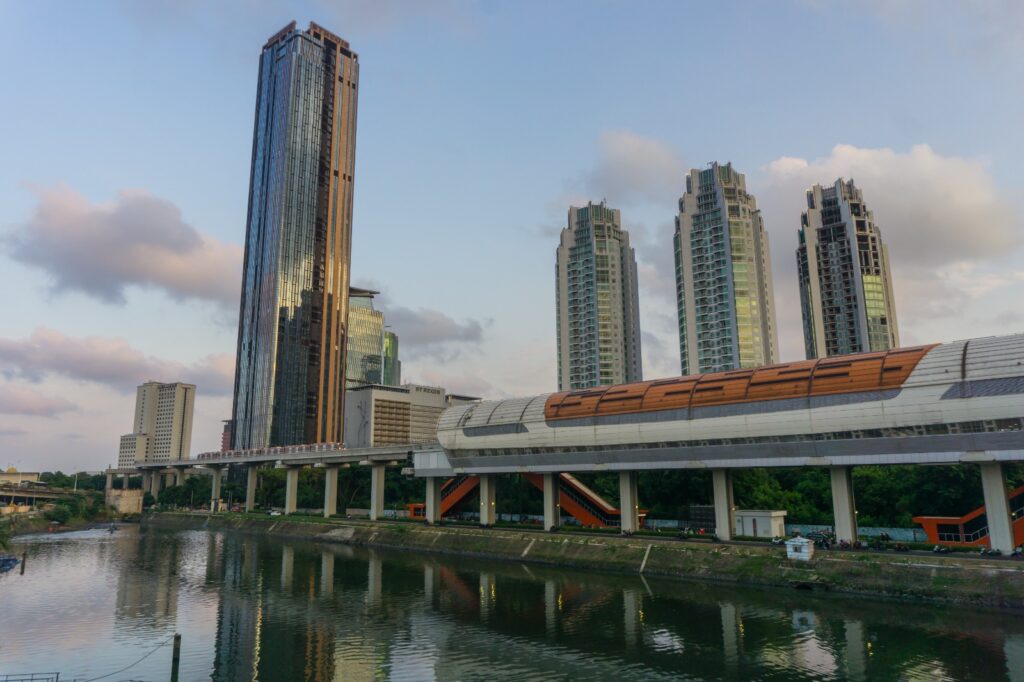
{"points": [[628, 503], [327, 572], [154, 484], [179, 476], [552, 508], [725, 507], [291, 490], [430, 582], [844, 508], [110, 482], [997, 506], [124, 482], [377, 491], [251, 478], [215, 488], [330, 491], [433, 506], [487, 499]]}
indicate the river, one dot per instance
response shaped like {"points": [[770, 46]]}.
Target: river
{"points": [[94, 604]]}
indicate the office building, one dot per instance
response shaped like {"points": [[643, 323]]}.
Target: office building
{"points": [[395, 415], [843, 266], [724, 293], [372, 348], [162, 429], [290, 372], [598, 316]]}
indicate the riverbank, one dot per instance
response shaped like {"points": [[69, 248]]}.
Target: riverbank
{"points": [[995, 583], [30, 525]]}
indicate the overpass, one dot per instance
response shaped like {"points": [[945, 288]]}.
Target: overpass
{"points": [[960, 402]]}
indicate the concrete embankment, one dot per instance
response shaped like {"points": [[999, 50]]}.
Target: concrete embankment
{"points": [[966, 580]]}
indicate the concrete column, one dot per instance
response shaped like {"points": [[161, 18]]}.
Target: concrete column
{"points": [[110, 482], [487, 499], [377, 492], [433, 510], [179, 476], [725, 507], [430, 582], [330, 491], [327, 572], [124, 482], [291, 490], [997, 506], [844, 509], [252, 477], [629, 519], [154, 484], [552, 508], [214, 488]]}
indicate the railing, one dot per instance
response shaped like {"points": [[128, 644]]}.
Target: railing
{"points": [[30, 677]]}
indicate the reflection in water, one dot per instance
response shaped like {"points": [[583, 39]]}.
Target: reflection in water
{"points": [[257, 608]]}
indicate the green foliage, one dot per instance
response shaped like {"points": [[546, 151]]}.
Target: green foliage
{"points": [[80, 481], [5, 535], [60, 514]]}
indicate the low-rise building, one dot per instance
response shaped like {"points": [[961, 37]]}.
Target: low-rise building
{"points": [[377, 415], [14, 477]]}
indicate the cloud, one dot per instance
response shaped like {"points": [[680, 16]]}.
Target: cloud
{"points": [[26, 401], [108, 361], [632, 168], [426, 332], [951, 233], [139, 240]]}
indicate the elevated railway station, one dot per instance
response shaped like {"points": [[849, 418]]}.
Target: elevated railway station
{"points": [[960, 402]]}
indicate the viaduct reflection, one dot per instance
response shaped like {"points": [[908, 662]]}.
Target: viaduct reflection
{"points": [[335, 613]]}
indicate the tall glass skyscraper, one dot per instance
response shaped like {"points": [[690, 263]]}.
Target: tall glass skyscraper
{"points": [[290, 372], [724, 293], [845, 286], [372, 349], [598, 322]]}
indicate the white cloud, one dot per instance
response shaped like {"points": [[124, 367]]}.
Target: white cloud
{"points": [[108, 361], [137, 240], [632, 168], [26, 401]]}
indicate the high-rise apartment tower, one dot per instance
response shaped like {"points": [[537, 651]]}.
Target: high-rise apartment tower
{"points": [[724, 293], [290, 372], [162, 428], [598, 322], [845, 285]]}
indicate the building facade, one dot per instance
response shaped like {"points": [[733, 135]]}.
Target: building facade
{"points": [[290, 371], [162, 428], [724, 295], [395, 415], [843, 266], [372, 355], [598, 306]]}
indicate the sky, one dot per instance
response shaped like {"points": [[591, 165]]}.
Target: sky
{"points": [[127, 139]]}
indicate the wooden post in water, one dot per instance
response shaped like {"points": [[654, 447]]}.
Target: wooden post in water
{"points": [[176, 658], [24, 556]]}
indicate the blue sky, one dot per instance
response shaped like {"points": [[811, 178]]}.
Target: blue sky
{"points": [[127, 138]]}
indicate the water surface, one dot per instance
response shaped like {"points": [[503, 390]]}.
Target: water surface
{"points": [[259, 608]]}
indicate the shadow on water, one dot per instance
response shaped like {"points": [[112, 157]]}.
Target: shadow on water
{"points": [[258, 608]]}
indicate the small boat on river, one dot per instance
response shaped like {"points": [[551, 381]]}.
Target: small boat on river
{"points": [[7, 562]]}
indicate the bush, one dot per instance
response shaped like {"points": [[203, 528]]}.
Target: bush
{"points": [[60, 514]]}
